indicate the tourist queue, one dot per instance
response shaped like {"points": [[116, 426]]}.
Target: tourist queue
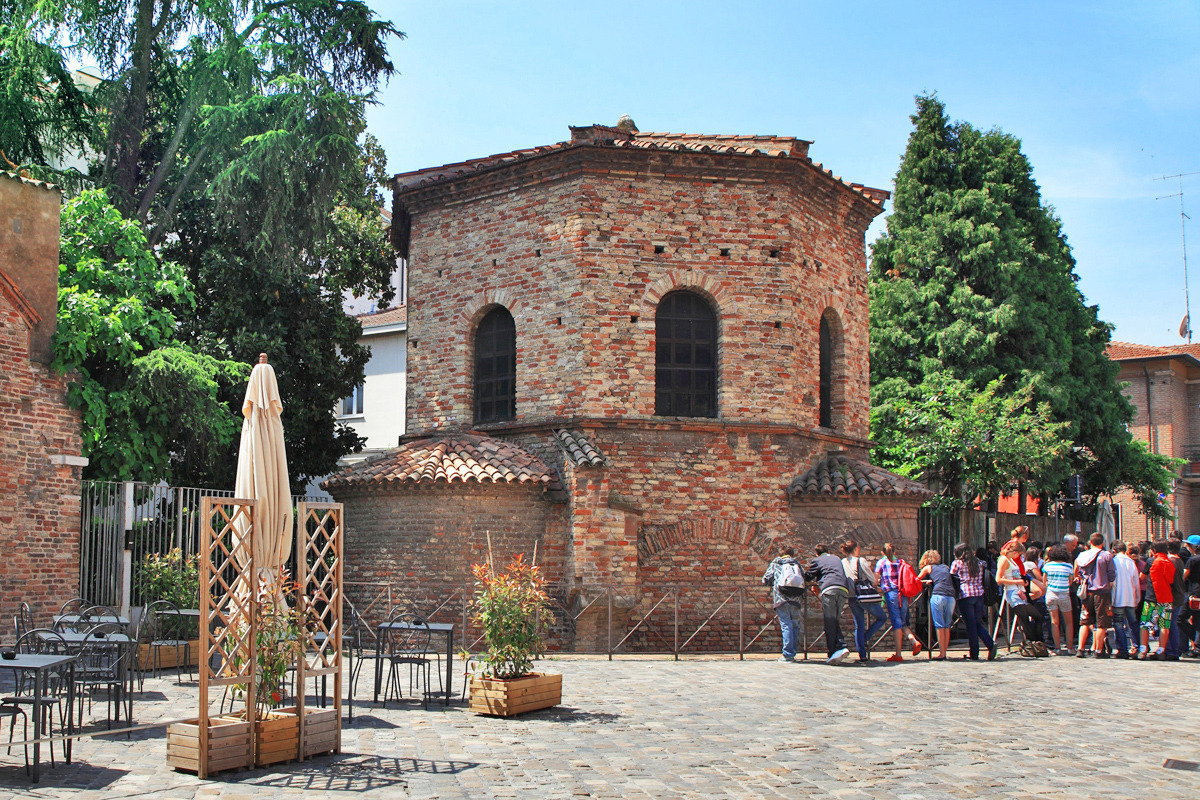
{"points": [[1125, 600]]}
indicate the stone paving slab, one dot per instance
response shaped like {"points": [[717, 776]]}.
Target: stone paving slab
{"points": [[719, 728]]}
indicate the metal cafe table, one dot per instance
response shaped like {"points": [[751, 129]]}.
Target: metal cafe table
{"points": [[446, 628], [75, 642], [41, 666], [98, 619]]}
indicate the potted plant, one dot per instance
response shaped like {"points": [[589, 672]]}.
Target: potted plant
{"points": [[513, 608], [175, 577]]}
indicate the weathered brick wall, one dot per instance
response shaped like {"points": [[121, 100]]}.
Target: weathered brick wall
{"points": [[423, 540], [572, 255], [39, 499]]}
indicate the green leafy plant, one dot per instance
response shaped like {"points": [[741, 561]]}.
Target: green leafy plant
{"points": [[513, 608], [281, 627], [171, 576]]}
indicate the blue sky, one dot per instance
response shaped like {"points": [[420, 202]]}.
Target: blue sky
{"points": [[1105, 96]]}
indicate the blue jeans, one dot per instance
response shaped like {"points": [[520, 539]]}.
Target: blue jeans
{"points": [[1173, 637], [897, 608], [973, 609], [789, 627], [1125, 624], [941, 608], [863, 634]]}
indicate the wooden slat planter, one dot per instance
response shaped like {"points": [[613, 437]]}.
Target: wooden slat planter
{"points": [[228, 745], [320, 731], [505, 698], [167, 656], [277, 738]]}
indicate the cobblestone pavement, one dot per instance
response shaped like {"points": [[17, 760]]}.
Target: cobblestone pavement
{"points": [[655, 728]]}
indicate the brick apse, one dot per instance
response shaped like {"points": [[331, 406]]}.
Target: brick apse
{"points": [[645, 352], [40, 444]]}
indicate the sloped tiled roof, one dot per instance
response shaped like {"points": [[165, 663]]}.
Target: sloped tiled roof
{"points": [[747, 146], [839, 476], [1126, 351], [578, 449], [461, 457], [13, 294], [31, 181], [377, 319]]}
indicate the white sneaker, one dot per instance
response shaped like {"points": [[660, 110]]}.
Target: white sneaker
{"points": [[837, 657], [786, 660]]}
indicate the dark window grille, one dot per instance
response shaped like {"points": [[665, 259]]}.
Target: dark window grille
{"points": [[496, 367], [826, 374], [685, 381]]}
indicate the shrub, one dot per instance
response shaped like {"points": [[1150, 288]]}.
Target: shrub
{"points": [[171, 576], [513, 608]]}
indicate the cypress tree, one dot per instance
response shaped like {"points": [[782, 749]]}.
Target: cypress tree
{"points": [[973, 280]]}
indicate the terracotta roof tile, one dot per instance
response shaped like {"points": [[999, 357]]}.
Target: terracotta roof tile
{"points": [[839, 476], [578, 449], [750, 146], [461, 457], [32, 182], [390, 316], [1125, 351]]}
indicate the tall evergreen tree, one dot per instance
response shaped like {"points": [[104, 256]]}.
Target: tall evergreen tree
{"points": [[974, 280]]}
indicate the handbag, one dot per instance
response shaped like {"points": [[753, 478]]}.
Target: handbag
{"points": [[1194, 602], [864, 590]]}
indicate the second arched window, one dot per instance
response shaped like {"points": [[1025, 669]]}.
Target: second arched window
{"points": [[496, 367], [685, 379]]}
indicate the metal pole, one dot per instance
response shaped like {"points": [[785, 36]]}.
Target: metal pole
{"points": [[466, 588], [741, 623], [803, 625], [675, 598], [610, 623], [127, 555]]}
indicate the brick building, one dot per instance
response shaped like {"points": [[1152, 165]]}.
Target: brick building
{"points": [[39, 434], [647, 354], [1163, 385]]}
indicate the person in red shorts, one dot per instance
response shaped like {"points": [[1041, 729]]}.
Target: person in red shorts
{"points": [[1156, 613]]}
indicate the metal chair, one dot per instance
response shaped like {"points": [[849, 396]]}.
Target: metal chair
{"points": [[43, 641], [101, 665], [356, 644], [23, 620], [163, 626], [73, 605], [406, 646]]}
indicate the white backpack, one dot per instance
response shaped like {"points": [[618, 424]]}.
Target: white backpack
{"points": [[789, 580]]}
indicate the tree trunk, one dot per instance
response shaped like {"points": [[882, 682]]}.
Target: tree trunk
{"points": [[1022, 498]]}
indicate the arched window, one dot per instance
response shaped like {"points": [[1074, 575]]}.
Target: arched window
{"points": [[496, 367], [685, 379], [832, 380]]}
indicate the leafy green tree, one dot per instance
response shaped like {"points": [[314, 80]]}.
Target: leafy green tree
{"points": [[974, 278], [232, 131], [967, 443], [147, 400]]}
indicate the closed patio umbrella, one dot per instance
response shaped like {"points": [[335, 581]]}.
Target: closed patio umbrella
{"points": [[1104, 520], [262, 472]]}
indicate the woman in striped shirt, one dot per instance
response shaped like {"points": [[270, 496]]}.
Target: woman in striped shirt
{"points": [[971, 573], [1058, 572]]}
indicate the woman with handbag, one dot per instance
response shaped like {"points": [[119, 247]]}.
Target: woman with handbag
{"points": [[864, 598], [941, 598]]}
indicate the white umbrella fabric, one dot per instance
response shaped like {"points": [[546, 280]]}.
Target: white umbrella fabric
{"points": [[262, 472]]}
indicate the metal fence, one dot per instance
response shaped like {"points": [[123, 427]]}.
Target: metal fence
{"points": [[142, 519]]}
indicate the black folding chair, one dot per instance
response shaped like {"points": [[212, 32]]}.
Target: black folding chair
{"points": [[406, 645]]}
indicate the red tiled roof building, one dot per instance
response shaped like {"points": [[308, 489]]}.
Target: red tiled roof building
{"points": [[674, 326]]}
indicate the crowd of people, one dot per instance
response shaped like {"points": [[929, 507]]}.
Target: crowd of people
{"points": [[1098, 600]]}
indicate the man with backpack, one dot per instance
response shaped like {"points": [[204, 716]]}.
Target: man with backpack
{"points": [[1095, 571], [786, 580], [829, 577]]}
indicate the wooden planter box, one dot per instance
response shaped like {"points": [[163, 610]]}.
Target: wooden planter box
{"points": [[277, 738], [506, 698], [228, 745], [320, 731], [167, 657]]}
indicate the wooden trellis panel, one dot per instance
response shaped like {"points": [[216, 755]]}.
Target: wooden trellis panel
{"points": [[319, 583], [227, 640]]}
